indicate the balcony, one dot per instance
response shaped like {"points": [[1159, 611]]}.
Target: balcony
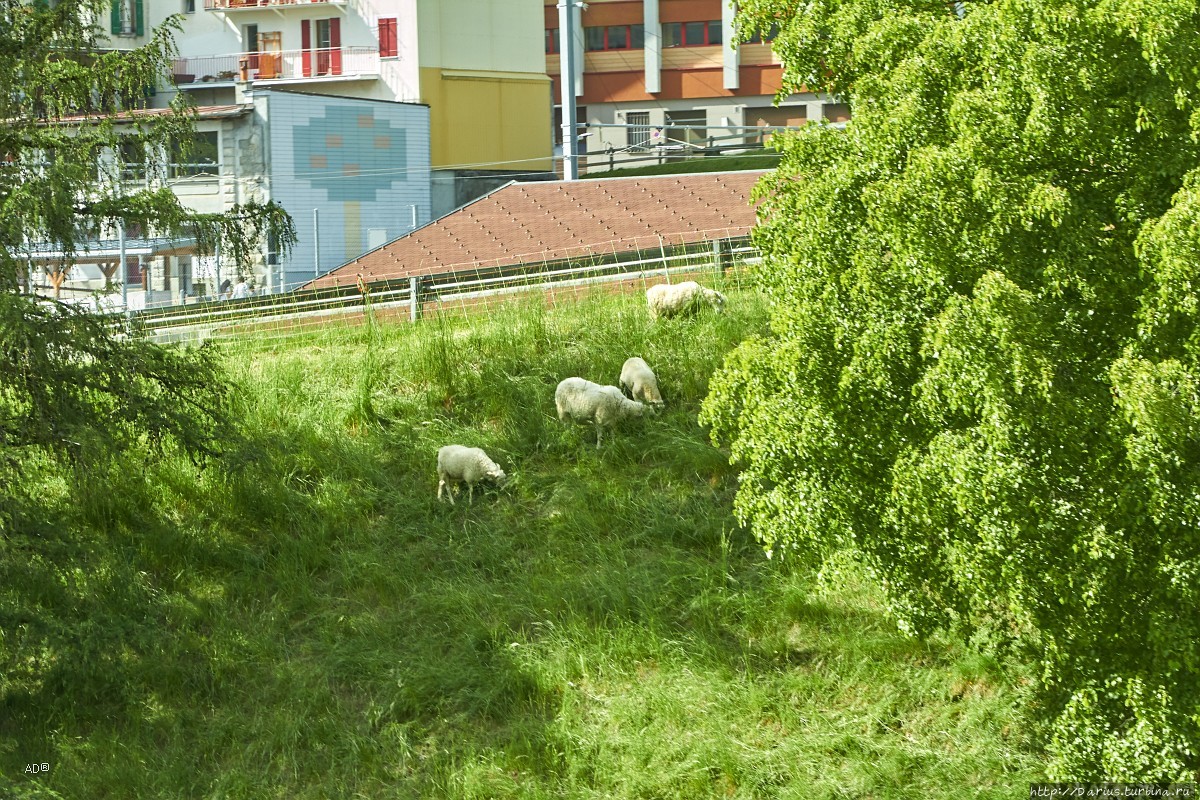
{"points": [[250, 5], [288, 66]]}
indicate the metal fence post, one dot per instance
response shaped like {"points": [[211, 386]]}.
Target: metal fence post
{"points": [[414, 298]]}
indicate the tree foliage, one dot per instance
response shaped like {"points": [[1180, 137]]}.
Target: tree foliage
{"points": [[70, 383], [983, 372]]}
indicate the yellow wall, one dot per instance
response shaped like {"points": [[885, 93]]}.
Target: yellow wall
{"points": [[486, 118]]}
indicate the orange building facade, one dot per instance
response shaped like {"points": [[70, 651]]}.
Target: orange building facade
{"points": [[666, 79]]}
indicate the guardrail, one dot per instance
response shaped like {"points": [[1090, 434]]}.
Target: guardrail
{"points": [[226, 5], [318, 63], [466, 288]]}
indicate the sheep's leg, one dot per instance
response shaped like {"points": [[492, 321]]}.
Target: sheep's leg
{"points": [[470, 493], [441, 485], [450, 492], [599, 434]]}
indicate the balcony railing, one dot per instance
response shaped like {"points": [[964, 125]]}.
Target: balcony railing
{"points": [[346, 63], [238, 5]]}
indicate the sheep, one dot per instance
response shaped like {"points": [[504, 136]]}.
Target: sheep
{"points": [[667, 300], [457, 464], [638, 381], [604, 406]]}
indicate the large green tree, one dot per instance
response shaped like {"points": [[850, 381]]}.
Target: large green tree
{"points": [[983, 370], [71, 384]]}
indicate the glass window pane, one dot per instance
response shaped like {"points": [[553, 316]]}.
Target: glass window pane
{"points": [[552, 40], [618, 37], [693, 33], [637, 36], [672, 34], [714, 32], [593, 38], [132, 153], [201, 158]]}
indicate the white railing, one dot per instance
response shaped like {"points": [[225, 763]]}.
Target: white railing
{"points": [[286, 65], [227, 5]]}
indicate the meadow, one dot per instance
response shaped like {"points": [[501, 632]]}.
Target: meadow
{"points": [[300, 618]]}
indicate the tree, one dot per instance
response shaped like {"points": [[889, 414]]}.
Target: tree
{"points": [[71, 383], [983, 370]]}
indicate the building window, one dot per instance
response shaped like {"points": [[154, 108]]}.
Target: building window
{"points": [[639, 130], [551, 41], [691, 34], [758, 37], [131, 158], [321, 47], [128, 17], [836, 112], [614, 37], [389, 46], [189, 6], [200, 157]]}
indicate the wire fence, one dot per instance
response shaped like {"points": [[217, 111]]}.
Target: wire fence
{"points": [[463, 289]]}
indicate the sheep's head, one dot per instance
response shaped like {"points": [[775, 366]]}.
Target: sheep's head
{"points": [[497, 475]]}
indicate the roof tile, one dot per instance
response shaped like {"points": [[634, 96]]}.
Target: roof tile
{"points": [[556, 219]]}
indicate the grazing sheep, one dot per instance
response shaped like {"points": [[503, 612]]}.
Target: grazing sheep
{"points": [[638, 381], [457, 464], [604, 406], [667, 299]]}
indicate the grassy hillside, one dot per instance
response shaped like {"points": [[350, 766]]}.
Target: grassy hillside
{"points": [[304, 620]]}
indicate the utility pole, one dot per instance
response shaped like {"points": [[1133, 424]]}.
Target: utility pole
{"points": [[566, 46]]}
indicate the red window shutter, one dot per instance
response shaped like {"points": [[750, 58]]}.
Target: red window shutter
{"points": [[335, 46], [388, 44], [306, 48]]}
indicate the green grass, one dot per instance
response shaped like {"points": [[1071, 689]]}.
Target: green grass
{"points": [[766, 159], [304, 620]]}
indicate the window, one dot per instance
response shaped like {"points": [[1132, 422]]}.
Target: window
{"points": [[638, 130], [189, 6], [389, 46], [131, 158], [321, 50], [836, 112], [614, 37], [200, 157], [128, 17], [691, 34], [758, 38], [250, 45], [551, 41]]}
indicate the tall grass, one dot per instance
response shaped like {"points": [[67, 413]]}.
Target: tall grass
{"points": [[302, 618]]}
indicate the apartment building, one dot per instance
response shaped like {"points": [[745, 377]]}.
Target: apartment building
{"points": [[478, 65], [658, 79]]}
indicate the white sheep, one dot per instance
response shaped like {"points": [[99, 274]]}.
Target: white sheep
{"points": [[638, 381], [470, 465], [603, 406], [669, 299]]}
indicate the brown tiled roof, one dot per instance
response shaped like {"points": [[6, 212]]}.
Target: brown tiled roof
{"points": [[550, 220]]}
